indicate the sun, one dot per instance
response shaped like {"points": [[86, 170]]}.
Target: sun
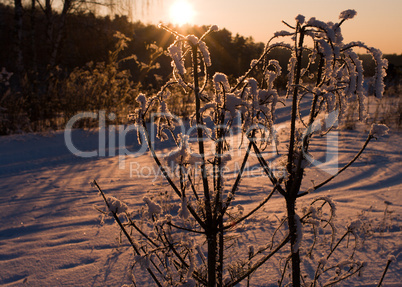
{"points": [[181, 12]]}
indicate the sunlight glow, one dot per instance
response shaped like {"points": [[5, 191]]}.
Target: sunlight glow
{"points": [[181, 12]]}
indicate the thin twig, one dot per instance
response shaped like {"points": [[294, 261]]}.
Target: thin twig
{"points": [[166, 175], [252, 211], [385, 271], [125, 232], [339, 171], [259, 263], [185, 229]]}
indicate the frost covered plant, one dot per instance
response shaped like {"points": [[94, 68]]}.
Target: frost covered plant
{"points": [[331, 81], [333, 266], [378, 130], [187, 242]]}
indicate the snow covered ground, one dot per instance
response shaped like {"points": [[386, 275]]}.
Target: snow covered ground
{"points": [[50, 234]]}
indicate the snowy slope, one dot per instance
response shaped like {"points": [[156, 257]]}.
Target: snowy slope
{"points": [[50, 234]]}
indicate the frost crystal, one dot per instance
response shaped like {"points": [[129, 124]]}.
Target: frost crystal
{"points": [[192, 39], [380, 72], [355, 225], [291, 70], [253, 63], [300, 19], [205, 53], [231, 103], [347, 14], [378, 130], [282, 33], [116, 206], [183, 211], [142, 100], [214, 28], [176, 55], [253, 85], [183, 154], [220, 80], [153, 208], [330, 202], [162, 221], [392, 258]]}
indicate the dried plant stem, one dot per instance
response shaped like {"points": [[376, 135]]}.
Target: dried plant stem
{"points": [[385, 272], [117, 219], [341, 170]]}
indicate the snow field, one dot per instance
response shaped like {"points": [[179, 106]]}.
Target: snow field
{"points": [[50, 234]]}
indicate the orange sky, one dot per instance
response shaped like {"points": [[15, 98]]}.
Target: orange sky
{"points": [[378, 23]]}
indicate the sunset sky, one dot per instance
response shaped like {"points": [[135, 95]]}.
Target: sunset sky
{"points": [[378, 23]]}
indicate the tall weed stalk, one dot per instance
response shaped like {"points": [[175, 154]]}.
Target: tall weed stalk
{"points": [[188, 241]]}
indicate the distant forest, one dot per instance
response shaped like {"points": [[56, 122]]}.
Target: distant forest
{"points": [[55, 56], [87, 38]]}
